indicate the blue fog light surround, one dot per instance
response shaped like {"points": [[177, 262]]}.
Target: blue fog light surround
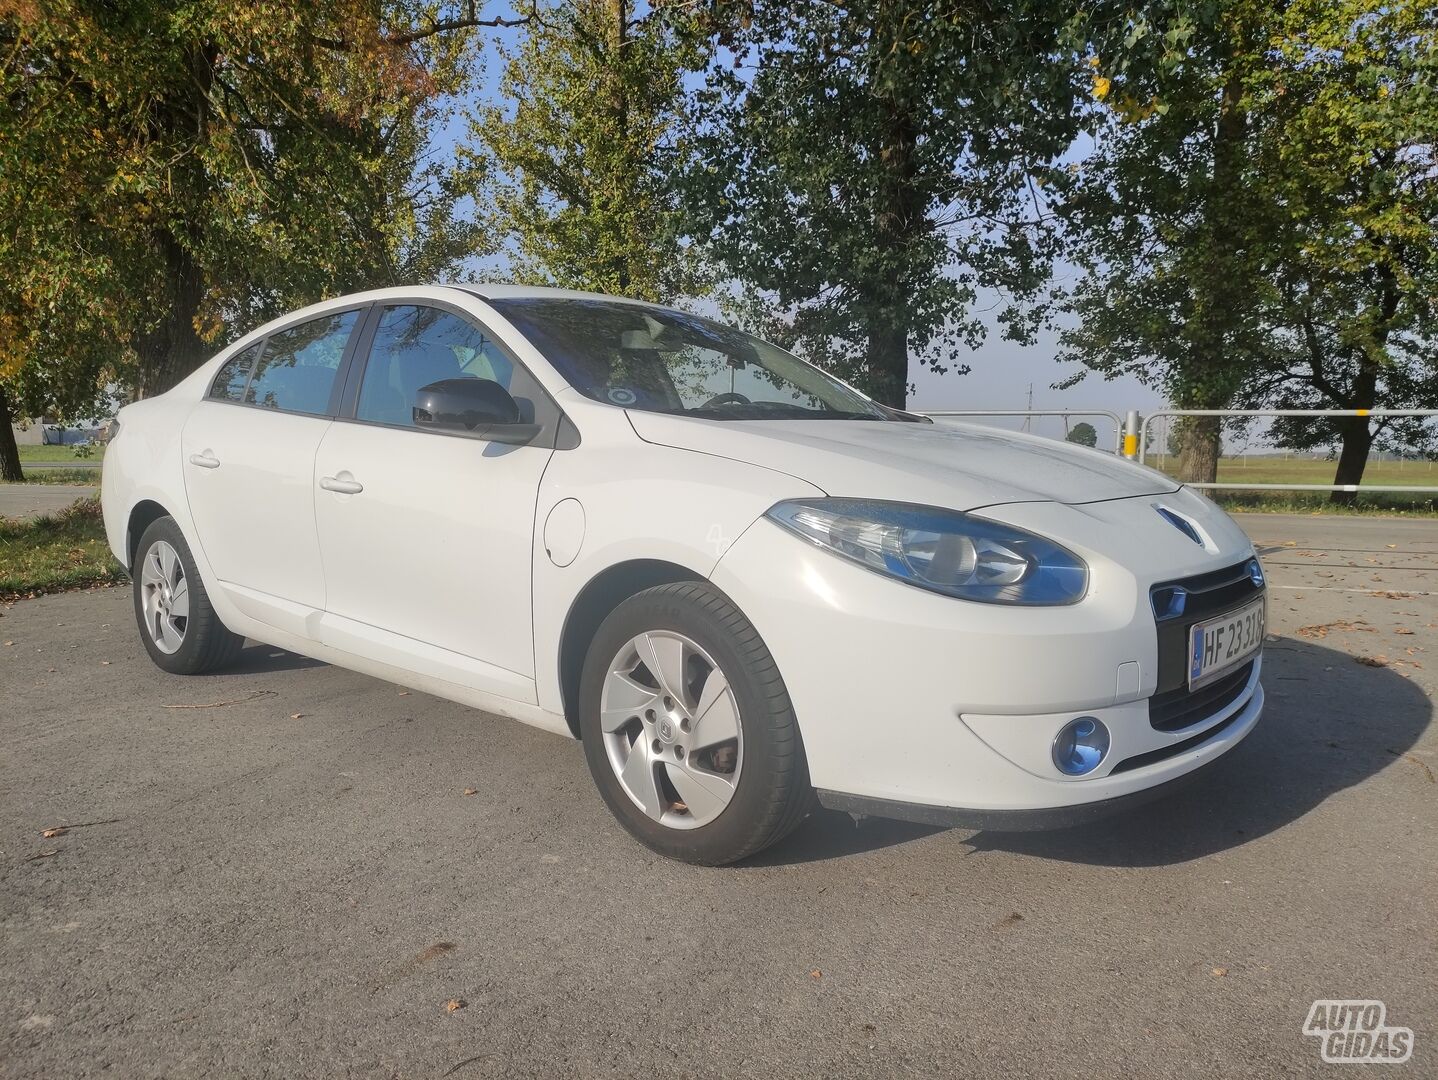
{"points": [[1080, 746]]}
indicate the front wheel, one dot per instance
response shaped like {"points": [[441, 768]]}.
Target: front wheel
{"points": [[179, 627], [688, 728]]}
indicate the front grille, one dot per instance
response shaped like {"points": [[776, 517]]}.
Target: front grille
{"points": [[1206, 595], [1181, 708]]}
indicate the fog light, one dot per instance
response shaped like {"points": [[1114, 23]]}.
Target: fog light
{"points": [[1080, 746]]}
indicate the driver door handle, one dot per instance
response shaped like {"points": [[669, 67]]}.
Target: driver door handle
{"points": [[344, 487], [206, 460]]}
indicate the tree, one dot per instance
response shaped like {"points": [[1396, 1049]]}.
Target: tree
{"points": [[871, 163], [1083, 433], [574, 164], [179, 169], [1166, 224], [1256, 222], [1349, 107]]}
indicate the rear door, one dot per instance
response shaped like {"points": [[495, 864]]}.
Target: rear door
{"points": [[248, 459], [427, 537]]}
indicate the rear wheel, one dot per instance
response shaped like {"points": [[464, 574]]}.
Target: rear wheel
{"points": [[179, 627], [688, 728]]}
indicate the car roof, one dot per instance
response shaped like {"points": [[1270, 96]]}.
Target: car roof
{"points": [[504, 291]]}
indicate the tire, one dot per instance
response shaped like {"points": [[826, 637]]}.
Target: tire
{"points": [[191, 643], [717, 802]]}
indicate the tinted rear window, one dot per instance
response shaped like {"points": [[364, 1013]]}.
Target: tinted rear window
{"points": [[297, 371], [229, 384]]}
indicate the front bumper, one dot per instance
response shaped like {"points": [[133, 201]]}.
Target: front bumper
{"points": [[1040, 820], [918, 705]]}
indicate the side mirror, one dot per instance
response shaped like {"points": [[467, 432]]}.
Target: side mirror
{"points": [[478, 407]]}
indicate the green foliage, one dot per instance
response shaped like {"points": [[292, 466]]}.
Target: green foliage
{"points": [[863, 168], [1261, 230], [171, 172], [1083, 433], [572, 166]]}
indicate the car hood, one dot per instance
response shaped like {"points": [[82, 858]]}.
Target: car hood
{"points": [[960, 466]]}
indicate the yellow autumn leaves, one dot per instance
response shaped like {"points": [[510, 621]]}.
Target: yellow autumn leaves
{"points": [[1126, 105]]}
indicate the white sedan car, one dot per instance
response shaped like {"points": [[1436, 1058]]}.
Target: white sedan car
{"points": [[741, 583]]}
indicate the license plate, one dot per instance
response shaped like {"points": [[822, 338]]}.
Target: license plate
{"points": [[1219, 645]]}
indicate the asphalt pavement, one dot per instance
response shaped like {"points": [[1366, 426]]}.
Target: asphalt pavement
{"points": [[290, 870], [28, 500]]}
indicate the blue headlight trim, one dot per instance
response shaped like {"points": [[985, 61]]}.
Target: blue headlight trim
{"points": [[943, 551]]}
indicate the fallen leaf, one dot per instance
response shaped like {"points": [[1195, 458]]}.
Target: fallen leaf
{"points": [[471, 791], [1220, 972], [438, 949], [816, 974], [43, 854], [454, 1005], [9, 643], [104, 663], [1372, 661], [404, 693], [297, 716], [1402, 630], [59, 831]]}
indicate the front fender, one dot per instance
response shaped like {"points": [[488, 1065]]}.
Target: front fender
{"points": [[697, 505]]}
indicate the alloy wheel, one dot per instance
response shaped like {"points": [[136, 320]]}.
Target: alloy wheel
{"points": [[671, 729], [165, 596]]}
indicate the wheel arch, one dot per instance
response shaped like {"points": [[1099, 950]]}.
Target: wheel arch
{"points": [[605, 592], [142, 515]]}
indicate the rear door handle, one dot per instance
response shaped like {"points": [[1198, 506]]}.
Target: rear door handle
{"points": [[207, 460], [344, 487]]}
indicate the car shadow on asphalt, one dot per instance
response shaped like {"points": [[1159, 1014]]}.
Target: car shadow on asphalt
{"points": [[257, 659], [1330, 722]]}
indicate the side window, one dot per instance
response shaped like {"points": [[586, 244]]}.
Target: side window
{"points": [[297, 371], [415, 346], [230, 381]]}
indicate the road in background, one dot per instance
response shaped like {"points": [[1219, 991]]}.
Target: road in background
{"points": [[296, 870], [28, 500]]}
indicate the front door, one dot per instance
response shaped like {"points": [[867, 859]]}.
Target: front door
{"points": [[427, 537]]}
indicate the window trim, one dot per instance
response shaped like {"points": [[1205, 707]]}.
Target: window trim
{"points": [[341, 372], [358, 363]]}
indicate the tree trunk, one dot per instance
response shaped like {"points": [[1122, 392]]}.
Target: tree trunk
{"points": [[10, 470], [173, 349], [1353, 458], [901, 217], [1210, 375], [887, 362], [1356, 433], [1200, 449]]}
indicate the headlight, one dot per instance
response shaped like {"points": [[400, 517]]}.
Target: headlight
{"points": [[942, 550]]}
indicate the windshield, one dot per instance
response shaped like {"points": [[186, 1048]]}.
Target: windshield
{"points": [[649, 358]]}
